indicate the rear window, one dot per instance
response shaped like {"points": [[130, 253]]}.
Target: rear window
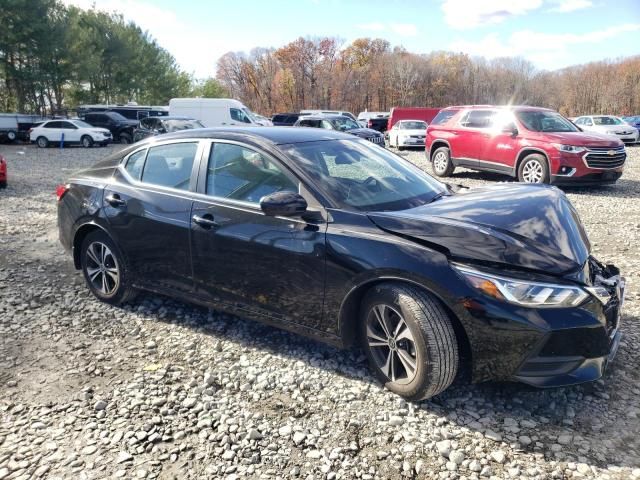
{"points": [[443, 117]]}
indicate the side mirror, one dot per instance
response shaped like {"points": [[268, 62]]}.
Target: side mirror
{"points": [[511, 129], [283, 204]]}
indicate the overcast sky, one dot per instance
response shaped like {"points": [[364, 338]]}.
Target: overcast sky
{"points": [[551, 33]]}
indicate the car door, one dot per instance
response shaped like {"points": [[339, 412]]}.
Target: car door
{"points": [[148, 206], [267, 267], [70, 131], [53, 130], [500, 142], [472, 142]]}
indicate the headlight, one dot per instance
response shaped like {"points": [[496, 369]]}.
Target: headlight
{"points": [[524, 292], [611, 132], [568, 148]]}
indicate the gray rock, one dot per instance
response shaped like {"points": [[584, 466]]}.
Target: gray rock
{"points": [[498, 456], [123, 457], [457, 457], [444, 447], [100, 405]]}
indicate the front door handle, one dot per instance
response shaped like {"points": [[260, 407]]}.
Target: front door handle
{"points": [[114, 200], [206, 221]]}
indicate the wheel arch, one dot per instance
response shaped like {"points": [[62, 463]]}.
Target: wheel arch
{"points": [[80, 234], [350, 314], [524, 153], [436, 145]]}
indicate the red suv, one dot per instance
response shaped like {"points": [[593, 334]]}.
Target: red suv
{"points": [[536, 145]]}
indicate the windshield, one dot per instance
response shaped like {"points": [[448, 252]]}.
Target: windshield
{"points": [[250, 114], [607, 121], [344, 123], [175, 125], [361, 176], [537, 121], [117, 116], [81, 124], [414, 126]]}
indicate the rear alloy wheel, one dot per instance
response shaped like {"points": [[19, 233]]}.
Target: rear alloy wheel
{"points": [[11, 135], [104, 269], [441, 162], [87, 141], [409, 340], [42, 142], [533, 169]]}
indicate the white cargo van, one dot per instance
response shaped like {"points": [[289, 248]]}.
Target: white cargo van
{"points": [[213, 112]]}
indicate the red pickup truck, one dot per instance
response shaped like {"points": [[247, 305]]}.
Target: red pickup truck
{"points": [[535, 145]]}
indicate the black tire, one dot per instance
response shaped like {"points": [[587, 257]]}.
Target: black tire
{"points": [[87, 141], [124, 138], [533, 169], [441, 163], [12, 135], [118, 290], [42, 142], [434, 347]]}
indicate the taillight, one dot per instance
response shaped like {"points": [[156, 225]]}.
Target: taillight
{"points": [[61, 190], [370, 123]]}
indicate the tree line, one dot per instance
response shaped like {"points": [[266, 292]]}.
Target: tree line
{"points": [[370, 74], [54, 57]]}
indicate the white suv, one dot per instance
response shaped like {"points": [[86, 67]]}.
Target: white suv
{"points": [[69, 131]]}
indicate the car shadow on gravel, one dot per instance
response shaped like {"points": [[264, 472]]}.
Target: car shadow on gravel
{"points": [[513, 410]]}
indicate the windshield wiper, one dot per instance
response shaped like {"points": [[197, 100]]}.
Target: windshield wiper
{"points": [[438, 196]]}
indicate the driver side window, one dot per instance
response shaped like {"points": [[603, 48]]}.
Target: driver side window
{"points": [[240, 173]]}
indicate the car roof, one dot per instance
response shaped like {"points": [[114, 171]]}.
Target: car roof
{"points": [[499, 107], [275, 135], [324, 116], [172, 117]]}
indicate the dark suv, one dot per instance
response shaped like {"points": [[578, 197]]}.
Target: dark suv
{"points": [[285, 119], [120, 127], [341, 123], [536, 145]]}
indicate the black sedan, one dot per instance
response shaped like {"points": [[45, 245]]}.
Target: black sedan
{"points": [[333, 237], [340, 123]]}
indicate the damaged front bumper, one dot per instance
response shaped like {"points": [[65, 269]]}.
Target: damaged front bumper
{"points": [[569, 356]]}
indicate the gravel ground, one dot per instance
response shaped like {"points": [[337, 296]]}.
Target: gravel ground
{"points": [[162, 389]]}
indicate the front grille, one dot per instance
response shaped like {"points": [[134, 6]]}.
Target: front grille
{"points": [[417, 136], [605, 157], [377, 139]]}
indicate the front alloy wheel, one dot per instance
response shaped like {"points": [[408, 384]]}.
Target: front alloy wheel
{"points": [[391, 344], [409, 340], [441, 162], [533, 169]]}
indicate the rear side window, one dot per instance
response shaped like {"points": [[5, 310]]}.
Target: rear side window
{"points": [[134, 163], [170, 165], [478, 119], [240, 173], [443, 117], [52, 125], [279, 118]]}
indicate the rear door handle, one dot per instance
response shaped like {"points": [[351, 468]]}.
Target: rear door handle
{"points": [[114, 200], [206, 221]]}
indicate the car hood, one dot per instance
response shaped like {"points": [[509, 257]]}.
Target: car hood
{"points": [[364, 132], [417, 131], [583, 139], [522, 226]]}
